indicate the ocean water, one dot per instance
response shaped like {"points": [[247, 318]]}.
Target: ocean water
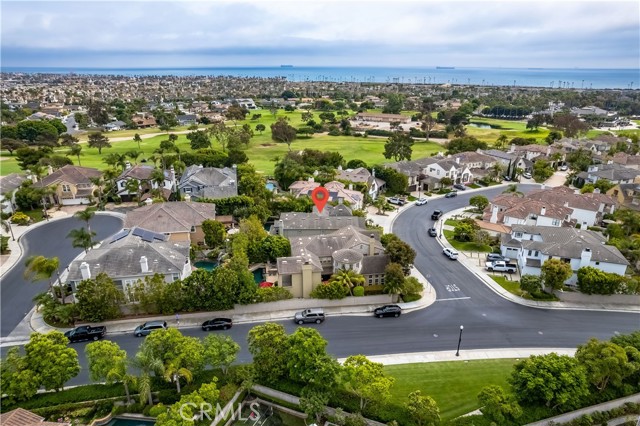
{"points": [[575, 78]]}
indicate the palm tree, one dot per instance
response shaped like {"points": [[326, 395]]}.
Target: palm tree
{"points": [[348, 279], [118, 373], [40, 268], [501, 141], [496, 170], [174, 373], [133, 186], [76, 149], [86, 215], [138, 139], [82, 238], [146, 363], [114, 159], [133, 155], [512, 189], [157, 177]]}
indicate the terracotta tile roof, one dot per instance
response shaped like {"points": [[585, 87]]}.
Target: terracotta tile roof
{"points": [[22, 417]]}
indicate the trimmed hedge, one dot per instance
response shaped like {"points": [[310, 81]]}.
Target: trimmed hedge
{"points": [[69, 396]]}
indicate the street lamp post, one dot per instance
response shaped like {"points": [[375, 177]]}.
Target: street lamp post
{"points": [[459, 340]]}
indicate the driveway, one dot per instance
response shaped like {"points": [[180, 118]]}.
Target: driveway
{"points": [[558, 179]]}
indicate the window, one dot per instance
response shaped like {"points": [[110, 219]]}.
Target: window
{"points": [[66, 188], [286, 281], [529, 252], [556, 222], [518, 234], [597, 263], [193, 229], [536, 253]]}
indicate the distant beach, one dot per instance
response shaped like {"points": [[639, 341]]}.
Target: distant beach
{"points": [[577, 78]]}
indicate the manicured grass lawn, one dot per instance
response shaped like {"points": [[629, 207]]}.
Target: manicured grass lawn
{"points": [[470, 246], [453, 385], [513, 287]]}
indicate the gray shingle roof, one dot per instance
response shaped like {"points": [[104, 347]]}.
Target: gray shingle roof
{"points": [[70, 174], [170, 217], [122, 258], [374, 264], [567, 243], [347, 256], [300, 221], [11, 182]]}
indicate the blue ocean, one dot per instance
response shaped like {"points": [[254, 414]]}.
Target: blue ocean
{"points": [[575, 78]]}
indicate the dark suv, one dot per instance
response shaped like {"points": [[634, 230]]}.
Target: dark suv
{"points": [[388, 311], [309, 315], [146, 328], [437, 214]]}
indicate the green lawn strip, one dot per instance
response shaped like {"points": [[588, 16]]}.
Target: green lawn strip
{"points": [[453, 385], [512, 287], [451, 222], [468, 246]]}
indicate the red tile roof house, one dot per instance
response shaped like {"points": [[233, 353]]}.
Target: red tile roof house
{"points": [[22, 417], [72, 185]]}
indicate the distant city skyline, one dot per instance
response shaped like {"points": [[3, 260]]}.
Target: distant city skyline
{"points": [[123, 34]]}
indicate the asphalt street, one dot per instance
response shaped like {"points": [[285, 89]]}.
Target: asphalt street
{"points": [[49, 240], [489, 320]]}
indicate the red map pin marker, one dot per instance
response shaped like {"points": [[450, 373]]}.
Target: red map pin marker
{"points": [[320, 196]]}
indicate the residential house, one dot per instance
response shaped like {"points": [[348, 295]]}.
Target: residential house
{"points": [[72, 184], [383, 118], [509, 210], [507, 159], [181, 221], [143, 173], [132, 255], [426, 173], [627, 160], [531, 246], [39, 116], [588, 110], [614, 173], [449, 168], [143, 120], [337, 192], [209, 182], [361, 175], [627, 194], [533, 152], [247, 103], [114, 125], [315, 258], [22, 417], [479, 164], [187, 119], [296, 224], [8, 186]]}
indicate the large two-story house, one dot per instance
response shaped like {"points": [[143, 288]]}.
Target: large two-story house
{"points": [[209, 182], [426, 173], [338, 192], [143, 175], [297, 224], [132, 255], [614, 173], [361, 175], [315, 258], [180, 221], [72, 184], [531, 246]]}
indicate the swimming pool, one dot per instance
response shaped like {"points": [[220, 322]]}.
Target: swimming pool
{"points": [[206, 265], [128, 421]]}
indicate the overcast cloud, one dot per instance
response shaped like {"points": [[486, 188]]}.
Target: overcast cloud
{"points": [[126, 34]]}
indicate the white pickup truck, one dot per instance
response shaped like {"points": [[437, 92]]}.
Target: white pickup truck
{"points": [[501, 266]]}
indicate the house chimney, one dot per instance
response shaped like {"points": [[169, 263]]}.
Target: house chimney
{"points": [[340, 168], [148, 201], [457, 160], [512, 148], [187, 198], [585, 257], [127, 165], [310, 179], [494, 214], [350, 187], [49, 170], [543, 211], [373, 172], [372, 242], [85, 271], [144, 265]]}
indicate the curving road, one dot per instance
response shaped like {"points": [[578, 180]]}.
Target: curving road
{"points": [[49, 240], [489, 320]]}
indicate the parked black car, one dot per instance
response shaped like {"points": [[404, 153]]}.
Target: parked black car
{"points": [[388, 311], [460, 186], [433, 232], [436, 214], [451, 194], [86, 332], [217, 324]]}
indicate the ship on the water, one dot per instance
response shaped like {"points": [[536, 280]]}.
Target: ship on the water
{"points": [[445, 68], [286, 66]]}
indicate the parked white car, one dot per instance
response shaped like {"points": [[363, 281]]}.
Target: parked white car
{"points": [[421, 202]]}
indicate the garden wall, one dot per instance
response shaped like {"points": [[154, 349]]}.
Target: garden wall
{"points": [[614, 299]]}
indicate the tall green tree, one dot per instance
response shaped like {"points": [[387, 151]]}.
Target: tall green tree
{"points": [[147, 364], [393, 279], [99, 299], [268, 344], [81, 238], [220, 351], [38, 268], [86, 215], [282, 131], [366, 380], [555, 381], [423, 409], [399, 146], [214, 233], [307, 359], [498, 406], [555, 272], [76, 149], [99, 141], [480, 202], [52, 361], [137, 139], [19, 382], [108, 363], [606, 363]]}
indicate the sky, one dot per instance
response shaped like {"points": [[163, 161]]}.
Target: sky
{"points": [[389, 33]]}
